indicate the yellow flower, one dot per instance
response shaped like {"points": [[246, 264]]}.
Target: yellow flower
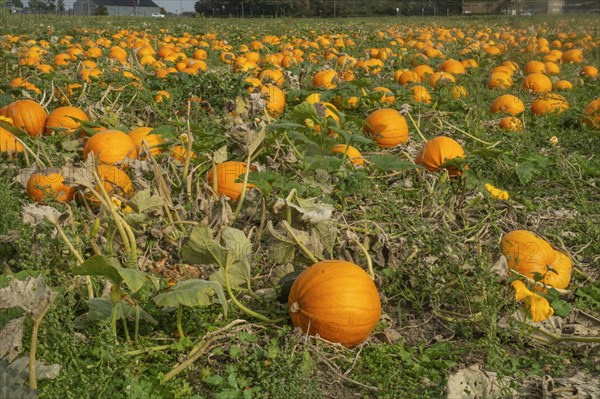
{"points": [[554, 140], [6, 120], [538, 306], [496, 192]]}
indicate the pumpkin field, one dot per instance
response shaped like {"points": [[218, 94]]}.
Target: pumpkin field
{"points": [[299, 208]]}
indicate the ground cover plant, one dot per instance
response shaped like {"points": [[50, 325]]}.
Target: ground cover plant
{"points": [[393, 208]]}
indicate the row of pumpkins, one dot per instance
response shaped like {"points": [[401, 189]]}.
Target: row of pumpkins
{"points": [[112, 147]]}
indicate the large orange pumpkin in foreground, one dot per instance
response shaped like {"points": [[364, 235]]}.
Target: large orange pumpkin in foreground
{"points": [[227, 174], [530, 254], [439, 150], [27, 115], [48, 185], [62, 119], [387, 127], [110, 147], [337, 300]]}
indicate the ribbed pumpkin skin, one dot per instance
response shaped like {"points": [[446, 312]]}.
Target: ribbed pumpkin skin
{"points": [[337, 300], [528, 253], [387, 127], [110, 147], [508, 103], [8, 142], [49, 185], [140, 134], [353, 154], [227, 173], [60, 119], [27, 115], [437, 151]]}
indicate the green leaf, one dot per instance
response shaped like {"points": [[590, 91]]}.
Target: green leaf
{"points": [[101, 309], [193, 293], [214, 380], [387, 163], [109, 267], [201, 249], [561, 308], [143, 201]]}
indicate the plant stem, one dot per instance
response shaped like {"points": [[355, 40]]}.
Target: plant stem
{"points": [[113, 320], [80, 260], [369, 261], [33, 348], [147, 350], [306, 251], [416, 127], [238, 209], [179, 326], [240, 305]]}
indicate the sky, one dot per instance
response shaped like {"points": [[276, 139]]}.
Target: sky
{"points": [[176, 5]]}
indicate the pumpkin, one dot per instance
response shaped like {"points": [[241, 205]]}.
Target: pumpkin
{"points": [[589, 71], [387, 127], [272, 76], [452, 66], [352, 153], [508, 103], [336, 300], [458, 92], [27, 115], [48, 185], [9, 142], [535, 67], [115, 181], [327, 79], [437, 151], [499, 80], [537, 83], [387, 95], [511, 124], [153, 141], [423, 70], [550, 103], [591, 117], [440, 78], [62, 119], [110, 147], [562, 85], [179, 152], [572, 56], [408, 77], [274, 99], [227, 174], [530, 254], [420, 94]]}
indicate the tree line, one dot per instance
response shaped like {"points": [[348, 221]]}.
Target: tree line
{"points": [[325, 8]]}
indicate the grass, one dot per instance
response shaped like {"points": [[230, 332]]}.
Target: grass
{"points": [[433, 240]]}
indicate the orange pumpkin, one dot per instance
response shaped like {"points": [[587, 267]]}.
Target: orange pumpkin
{"points": [[153, 141], [438, 151], [531, 255], [591, 117], [508, 103], [336, 300], [115, 181], [110, 147], [227, 173], [179, 152], [352, 153], [8, 142], [48, 185], [572, 56], [511, 124], [387, 127], [27, 115], [452, 66], [537, 83], [62, 118], [550, 103], [274, 99], [499, 80], [408, 77], [327, 79], [420, 94], [589, 71], [562, 85]]}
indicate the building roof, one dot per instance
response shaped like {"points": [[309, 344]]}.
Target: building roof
{"points": [[125, 3]]}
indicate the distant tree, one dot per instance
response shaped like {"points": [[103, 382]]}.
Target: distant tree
{"points": [[163, 11], [38, 5], [17, 3], [207, 7], [101, 10], [60, 6]]}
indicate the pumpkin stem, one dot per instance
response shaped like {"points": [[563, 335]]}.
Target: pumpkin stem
{"points": [[295, 307]]}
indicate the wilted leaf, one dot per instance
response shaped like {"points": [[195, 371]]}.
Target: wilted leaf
{"points": [[42, 370], [194, 292], [11, 338], [32, 295], [109, 267], [34, 214], [256, 140], [143, 201], [220, 155], [473, 383], [201, 249], [327, 233]]}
